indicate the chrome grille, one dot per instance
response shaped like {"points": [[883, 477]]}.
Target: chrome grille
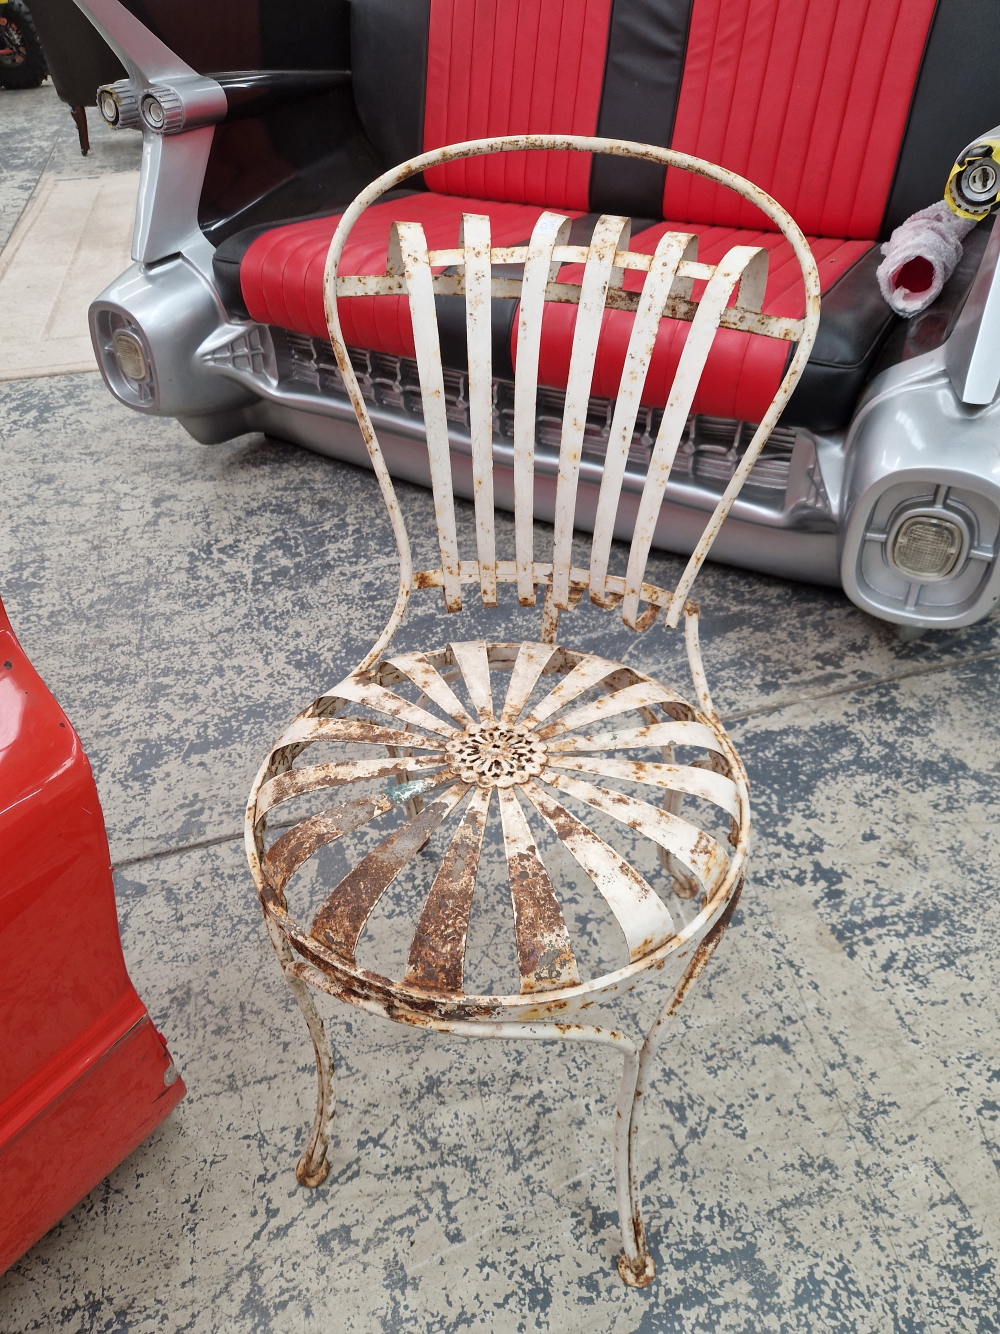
{"points": [[246, 353], [710, 449]]}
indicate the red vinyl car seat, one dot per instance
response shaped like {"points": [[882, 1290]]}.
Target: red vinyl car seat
{"points": [[819, 103]]}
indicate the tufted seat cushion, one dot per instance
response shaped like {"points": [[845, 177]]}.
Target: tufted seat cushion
{"points": [[278, 279]]}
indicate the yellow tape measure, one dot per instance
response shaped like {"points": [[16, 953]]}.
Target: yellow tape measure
{"points": [[974, 183]]}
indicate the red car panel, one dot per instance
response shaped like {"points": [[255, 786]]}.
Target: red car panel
{"points": [[84, 1076]]}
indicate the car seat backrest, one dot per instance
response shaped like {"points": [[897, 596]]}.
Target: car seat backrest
{"points": [[248, 34], [389, 64], [848, 111], [515, 67], [806, 98]]}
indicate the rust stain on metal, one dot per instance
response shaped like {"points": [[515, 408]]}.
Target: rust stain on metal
{"points": [[437, 952], [545, 956], [342, 917], [703, 844], [642, 916], [306, 731], [705, 950], [294, 849]]}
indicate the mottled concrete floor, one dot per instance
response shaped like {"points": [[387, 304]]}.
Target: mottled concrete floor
{"points": [[38, 137], [820, 1149]]}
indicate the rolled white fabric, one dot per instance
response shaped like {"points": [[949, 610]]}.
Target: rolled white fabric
{"points": [[920, 257]]}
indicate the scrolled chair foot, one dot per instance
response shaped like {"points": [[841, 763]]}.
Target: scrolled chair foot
{"points": [[309, 1175], [640, 1277]]}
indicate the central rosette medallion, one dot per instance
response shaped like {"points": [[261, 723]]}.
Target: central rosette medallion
{"points": [[495, 755]]}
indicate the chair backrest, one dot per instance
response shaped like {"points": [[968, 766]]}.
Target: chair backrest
{"points": [[667, 278]]}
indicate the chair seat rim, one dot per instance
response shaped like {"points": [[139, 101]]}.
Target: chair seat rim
{"points": [[358, 985]]}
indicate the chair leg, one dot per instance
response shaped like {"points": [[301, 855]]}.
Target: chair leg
{"points": [[312, 1167], [79, 115], [636, 1265], [685, 886]]}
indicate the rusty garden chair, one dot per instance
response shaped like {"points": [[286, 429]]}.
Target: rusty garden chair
{"points": [[540, 735]]}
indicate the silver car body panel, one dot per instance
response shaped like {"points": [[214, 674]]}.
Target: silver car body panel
{"points": [[173, 165], [914, 447]]}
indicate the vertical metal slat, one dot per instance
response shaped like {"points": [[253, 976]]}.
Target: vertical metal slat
{"points": [[610, 234], [550, 230], [475, 242], [420, 287]]}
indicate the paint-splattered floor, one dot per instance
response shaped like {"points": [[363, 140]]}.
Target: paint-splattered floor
{"points": [[820, 1148]]}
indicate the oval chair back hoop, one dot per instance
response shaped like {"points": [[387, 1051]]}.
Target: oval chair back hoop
{"points": [[545, 745]]}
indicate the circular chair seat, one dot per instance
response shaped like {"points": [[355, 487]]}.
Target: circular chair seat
{"points": [[466, 749]]}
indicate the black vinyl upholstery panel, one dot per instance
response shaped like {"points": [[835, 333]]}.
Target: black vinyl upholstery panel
{"points": [[315, 153], [389, 60], [451, 329], [213, 35], [290, 161], [854, 323], [274, 156], [642, 79]]}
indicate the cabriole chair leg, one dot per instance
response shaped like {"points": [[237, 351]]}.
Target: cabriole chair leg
{"points": [[313, 1166], [635, 1264]]}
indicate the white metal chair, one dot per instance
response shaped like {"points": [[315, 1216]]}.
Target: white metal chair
{"points": [[547, 741]]}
